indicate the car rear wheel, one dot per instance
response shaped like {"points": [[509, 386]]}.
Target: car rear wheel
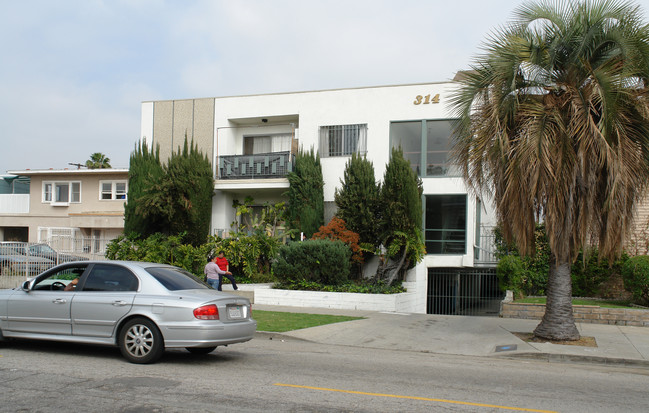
{"points": [[200, 350], [140, 341]]}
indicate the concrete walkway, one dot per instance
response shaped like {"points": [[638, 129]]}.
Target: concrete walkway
{"points": [[472, 336]]}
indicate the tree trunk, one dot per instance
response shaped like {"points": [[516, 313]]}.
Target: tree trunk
{"points": [[558, 322]]}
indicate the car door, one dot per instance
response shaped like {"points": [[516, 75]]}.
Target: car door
{"points": [[103, 298], [45, 307]]}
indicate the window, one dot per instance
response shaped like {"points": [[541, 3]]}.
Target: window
{"points": [[62, 192], [107, 277], [446, 224], [343, 140], [174, 279], [253, 145], [57, 279], [112, 190], [407, 135], [429, 137]]}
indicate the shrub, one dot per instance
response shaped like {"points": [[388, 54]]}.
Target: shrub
{"points": [[635, 273], [336, 229], [321, 261], [528, 275], [161, 249], [513, 274], [588, 277], [361, 286], [249, 255]]}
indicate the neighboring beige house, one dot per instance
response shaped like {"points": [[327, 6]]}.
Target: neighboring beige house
{"points": [[75, 210]]}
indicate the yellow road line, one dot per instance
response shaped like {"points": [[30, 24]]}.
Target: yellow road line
{"points": [[396, 396]]}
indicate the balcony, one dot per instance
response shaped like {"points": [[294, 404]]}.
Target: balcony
{"points": [[14, 203], [257, 166]]}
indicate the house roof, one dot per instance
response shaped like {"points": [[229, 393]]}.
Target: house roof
{"points": [[71, 172]]}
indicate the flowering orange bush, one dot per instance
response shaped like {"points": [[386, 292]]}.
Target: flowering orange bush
{"points": [[336, 229]]}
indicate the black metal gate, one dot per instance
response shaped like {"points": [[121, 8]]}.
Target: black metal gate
{"points": [[463, 291]]}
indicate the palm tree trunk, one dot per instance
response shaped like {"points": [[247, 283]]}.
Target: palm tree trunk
{"points": [[558, 322]]}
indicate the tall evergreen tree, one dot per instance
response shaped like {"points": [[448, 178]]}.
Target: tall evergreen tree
{"points": [[305, 210], [401, 217], [144, 170], [175, 198], [358, 199], [181, 200]]}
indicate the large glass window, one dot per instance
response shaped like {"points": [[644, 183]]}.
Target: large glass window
{"points": [[446, 224], [407, 135], [343, 140], [438, 134], [429, 137]]}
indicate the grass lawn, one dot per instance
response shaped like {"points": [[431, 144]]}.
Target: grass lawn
{"points": [[279, 321], [580, 301]]}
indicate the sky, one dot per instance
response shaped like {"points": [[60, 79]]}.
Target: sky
{"points": [[74, 73]]}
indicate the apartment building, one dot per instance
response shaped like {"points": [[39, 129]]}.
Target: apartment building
{"points": [[252, 141]]}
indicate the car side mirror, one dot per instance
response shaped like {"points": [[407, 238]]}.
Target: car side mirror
{"points": [[25, 286]]}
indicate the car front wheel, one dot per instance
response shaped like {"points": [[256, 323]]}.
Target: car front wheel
{"points": [[140, 341]]}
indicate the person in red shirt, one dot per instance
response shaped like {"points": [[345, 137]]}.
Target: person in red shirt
{"points": [[224, 265]]}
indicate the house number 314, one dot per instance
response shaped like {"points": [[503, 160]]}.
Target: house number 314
{"points": [[426, 99]]}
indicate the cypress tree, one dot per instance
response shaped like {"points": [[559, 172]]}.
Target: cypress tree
{"points": [[401, 217], [400, 197], [190, 175], [144, 168], [358, 199], [175, 198], [305, 210]]}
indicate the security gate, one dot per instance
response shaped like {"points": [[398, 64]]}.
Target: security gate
{"points": [[463, 291]]}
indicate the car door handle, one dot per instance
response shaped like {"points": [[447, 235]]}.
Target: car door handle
{"points": [[59, 301], [119, 303]]}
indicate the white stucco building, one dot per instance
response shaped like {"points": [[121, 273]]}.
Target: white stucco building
{"points": [[251, 141]]}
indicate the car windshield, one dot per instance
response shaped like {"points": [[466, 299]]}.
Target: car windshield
{"points": [[175, 279]]}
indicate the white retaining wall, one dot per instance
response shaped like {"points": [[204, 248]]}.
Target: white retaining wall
{"points": [[403, 302]]}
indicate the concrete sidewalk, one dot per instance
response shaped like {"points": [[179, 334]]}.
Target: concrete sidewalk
{"points": [[472, 336]]}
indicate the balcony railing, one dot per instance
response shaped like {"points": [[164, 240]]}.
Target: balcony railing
{"points": [[485, 248], [258, 166]]}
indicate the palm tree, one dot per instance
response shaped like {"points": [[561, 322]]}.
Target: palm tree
{"points": [[554, 125], [98, 161]]}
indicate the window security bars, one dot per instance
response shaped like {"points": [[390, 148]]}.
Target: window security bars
{"points": [[343, 140]]}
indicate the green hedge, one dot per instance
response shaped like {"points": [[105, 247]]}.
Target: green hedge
{"points": [[635, 273], [322, 261]]}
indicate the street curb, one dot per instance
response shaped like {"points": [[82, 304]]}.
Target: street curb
{"points": [[575, 358], [548, 357], [270, 335]]}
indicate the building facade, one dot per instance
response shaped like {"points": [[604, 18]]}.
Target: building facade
{"points": [[252, 141], [74, 210]]}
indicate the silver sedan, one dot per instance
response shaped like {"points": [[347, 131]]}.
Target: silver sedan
{"points": [[140, 307]]}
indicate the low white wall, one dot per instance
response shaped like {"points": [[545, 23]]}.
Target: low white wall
{"points": [[402, 302]]}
